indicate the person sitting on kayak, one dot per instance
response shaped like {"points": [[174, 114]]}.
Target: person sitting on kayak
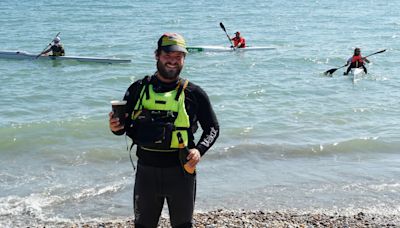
{"points": [[238, 41], [356, 61], [57, 48]]}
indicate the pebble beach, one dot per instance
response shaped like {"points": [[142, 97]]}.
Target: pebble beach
{"points": [[239, 219]]}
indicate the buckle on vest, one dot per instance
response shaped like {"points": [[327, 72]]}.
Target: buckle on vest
{"points": [[170, 114]]}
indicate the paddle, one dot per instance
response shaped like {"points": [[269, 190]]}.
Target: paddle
{"points": [[331, 71], [223, 28], [375, 53], [47, 46]]}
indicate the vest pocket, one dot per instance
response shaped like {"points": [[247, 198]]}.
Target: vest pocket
{"points": [[150, 131], [154, 135]]}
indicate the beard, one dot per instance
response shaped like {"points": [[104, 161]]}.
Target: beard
{"points": [[168, 74]]}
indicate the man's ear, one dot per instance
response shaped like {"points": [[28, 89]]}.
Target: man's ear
{"points": [[156, 55]]}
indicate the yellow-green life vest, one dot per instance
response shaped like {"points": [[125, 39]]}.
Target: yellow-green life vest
{"points": [[167, 101]]}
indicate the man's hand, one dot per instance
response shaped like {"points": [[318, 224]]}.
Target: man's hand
{"points": [[193, 157], [114, 123]]}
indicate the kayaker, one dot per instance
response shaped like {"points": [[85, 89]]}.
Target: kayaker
{"points": [[57, 48], [163, 110], [356, 61], [238, 41]]}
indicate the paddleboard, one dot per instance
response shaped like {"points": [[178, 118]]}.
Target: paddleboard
{"points": [[356, 74], [30, 56], [210, 48]]}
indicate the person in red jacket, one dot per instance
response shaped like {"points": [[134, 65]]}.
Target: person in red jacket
{"points": [[238, 41], [356, 61]]}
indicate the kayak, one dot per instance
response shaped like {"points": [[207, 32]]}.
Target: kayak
{"points": [[356, 74], [30, 56], [225, 49]]}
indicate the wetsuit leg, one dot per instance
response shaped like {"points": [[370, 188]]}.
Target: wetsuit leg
{"points": [[180, 190], [365, 69], [148, 201], [348, 70]]}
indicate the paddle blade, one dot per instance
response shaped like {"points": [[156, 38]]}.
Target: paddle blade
{"points": [[222, 26], [380, 51], [330, 72]]}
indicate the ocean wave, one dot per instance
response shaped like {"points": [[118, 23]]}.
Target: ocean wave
{"points": [[38, 208], [368, 145], [28, 210], [96, 191]]}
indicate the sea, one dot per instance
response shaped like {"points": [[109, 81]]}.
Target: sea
{"points": [[291, 138]]}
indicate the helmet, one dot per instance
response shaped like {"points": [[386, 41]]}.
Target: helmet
{"points": [[237, 33], [57, 39]]}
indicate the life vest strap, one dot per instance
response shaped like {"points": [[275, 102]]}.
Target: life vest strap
{"points": [[181, 128], [145, 82], [181, 87], [158, 150]]}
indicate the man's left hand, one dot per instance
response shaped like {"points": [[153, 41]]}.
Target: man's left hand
{"points": [[193, 157]]}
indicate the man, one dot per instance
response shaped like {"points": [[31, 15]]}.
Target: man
{"points": [[238, 41], [163, 110], [57, 48], [356, 61]]}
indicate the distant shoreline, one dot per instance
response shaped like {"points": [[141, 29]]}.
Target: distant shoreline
{"points": [[225, 218]]}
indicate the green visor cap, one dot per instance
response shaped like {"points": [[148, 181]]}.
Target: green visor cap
{"points": [[172, 42]]}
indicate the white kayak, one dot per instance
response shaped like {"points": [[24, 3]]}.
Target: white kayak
{"points": [[30, 56], [225, 49], [356, 74]]}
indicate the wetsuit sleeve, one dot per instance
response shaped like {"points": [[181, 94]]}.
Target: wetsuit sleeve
{"points": [[208, 122], [46, 51], [130, 98]]}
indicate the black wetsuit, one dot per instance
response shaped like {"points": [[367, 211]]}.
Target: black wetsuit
{"points": [[57, 50], [159, 175], [355, 65]]}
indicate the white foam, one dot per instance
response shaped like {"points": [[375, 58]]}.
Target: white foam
{"points": [[37, 208], [91, 192], [28, 209]]}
